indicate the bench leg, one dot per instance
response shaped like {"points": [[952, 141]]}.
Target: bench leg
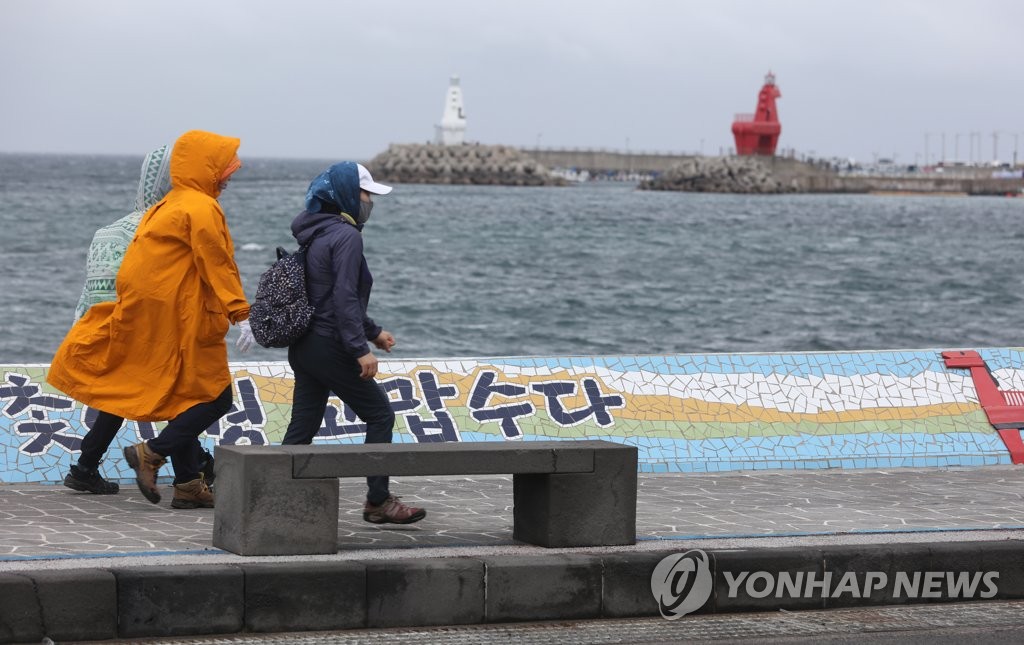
{"points": [[579, 509], [261, 510]]}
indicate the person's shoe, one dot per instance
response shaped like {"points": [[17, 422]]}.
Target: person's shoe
{"points": [[392, 511], [145, 463], [193, 494], [89, 480], [207, 468]]}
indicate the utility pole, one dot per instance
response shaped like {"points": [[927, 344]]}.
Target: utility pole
{"points": [[956, 147], [995, 147], [927, 159], [943, 160]]}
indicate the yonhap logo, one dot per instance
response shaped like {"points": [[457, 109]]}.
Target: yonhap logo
{"points": [[682, 583]]}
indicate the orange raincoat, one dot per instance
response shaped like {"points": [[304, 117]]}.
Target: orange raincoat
{"points": [[159, 349]]}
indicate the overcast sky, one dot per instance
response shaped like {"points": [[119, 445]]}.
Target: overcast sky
{"points": [[337, 79]]}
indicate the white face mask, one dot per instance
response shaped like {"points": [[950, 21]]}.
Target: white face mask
{"points": [[364, 212]]}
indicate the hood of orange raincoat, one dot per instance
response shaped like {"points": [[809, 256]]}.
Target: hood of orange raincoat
{"points": [[199, 159]]}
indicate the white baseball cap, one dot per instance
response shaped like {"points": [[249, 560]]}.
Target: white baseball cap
{"points": [[367, 183]]}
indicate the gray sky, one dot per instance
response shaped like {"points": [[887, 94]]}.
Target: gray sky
{"points": [[336, 79]]}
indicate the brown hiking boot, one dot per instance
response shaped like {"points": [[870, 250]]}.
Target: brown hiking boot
{"points": [[193, 494], [145, 463], [392, 511]]}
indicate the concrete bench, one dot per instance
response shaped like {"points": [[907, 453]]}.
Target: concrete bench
{"points": [[283, 500]]}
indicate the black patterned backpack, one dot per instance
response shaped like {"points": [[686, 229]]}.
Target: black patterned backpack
{"points": [[281, 312]]}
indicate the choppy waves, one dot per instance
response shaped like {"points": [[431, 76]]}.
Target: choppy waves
{"points": [[588, 269]]}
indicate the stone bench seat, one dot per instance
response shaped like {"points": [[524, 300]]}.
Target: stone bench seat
{"points": [[283, 500]]}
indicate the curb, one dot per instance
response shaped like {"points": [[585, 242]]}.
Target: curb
{"points": [[163, 601]]}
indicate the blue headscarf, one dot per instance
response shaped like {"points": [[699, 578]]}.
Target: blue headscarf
{"points": [[335, 190]]}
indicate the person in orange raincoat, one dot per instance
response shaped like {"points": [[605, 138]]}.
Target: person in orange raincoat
{"points": [[158, 352]]}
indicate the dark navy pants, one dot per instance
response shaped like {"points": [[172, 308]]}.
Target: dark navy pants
{"points": [[97, 441], [179, 440], [322, 366]]}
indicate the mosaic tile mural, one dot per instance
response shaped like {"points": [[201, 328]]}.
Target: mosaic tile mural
{"points": [[686, 413]]}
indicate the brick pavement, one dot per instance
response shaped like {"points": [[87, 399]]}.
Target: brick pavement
{"points": [[44, 522]]}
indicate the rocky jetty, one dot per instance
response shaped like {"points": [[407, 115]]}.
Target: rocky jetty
{"points": [[467, 163], [720, 175]]}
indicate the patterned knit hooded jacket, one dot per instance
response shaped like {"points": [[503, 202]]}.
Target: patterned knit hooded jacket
{"points": [[111, 241]]}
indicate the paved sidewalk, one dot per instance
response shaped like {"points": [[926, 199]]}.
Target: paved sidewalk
{"points": [[80, 567], [971, 622], [49, 526]]}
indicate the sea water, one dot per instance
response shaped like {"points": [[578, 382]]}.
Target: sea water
{"points": [[599, 268]]}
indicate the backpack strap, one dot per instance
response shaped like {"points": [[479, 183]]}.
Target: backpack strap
{"points": [[312, 237], [303, 249]]}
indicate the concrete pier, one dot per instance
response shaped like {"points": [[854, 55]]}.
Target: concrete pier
{"points": [[792, 175]]}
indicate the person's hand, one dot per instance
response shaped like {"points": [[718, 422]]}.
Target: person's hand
{"points": [[367, 366], [384, 341], [245, 338]]}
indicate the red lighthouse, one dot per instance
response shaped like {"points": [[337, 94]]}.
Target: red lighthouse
{"points": [[758, 133]]}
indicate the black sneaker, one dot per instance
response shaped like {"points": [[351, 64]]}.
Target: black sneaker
{"points": [[207, 468], [89, 480]]}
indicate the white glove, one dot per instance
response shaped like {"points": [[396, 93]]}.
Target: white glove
{"points": [[245, 338]]}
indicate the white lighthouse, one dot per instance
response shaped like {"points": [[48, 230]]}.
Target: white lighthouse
{"points": [[452, 130]]}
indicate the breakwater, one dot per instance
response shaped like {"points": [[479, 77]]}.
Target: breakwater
{"points": [[733, 174], [722, 175], [477, 164], [781, 175], [685, 413], [460, 164], [921, 184], [599, 161]]}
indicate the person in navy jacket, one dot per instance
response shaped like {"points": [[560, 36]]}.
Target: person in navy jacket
{"points": [[334, 355]]}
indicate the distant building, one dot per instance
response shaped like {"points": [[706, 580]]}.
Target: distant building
{"points": [[452, 129]]}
